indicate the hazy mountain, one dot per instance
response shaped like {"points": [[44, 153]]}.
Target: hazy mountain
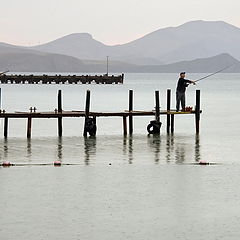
{"points": [[197, 39], [203, 65], [25, 60]]}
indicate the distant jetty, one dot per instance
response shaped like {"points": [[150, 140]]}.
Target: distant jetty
{"points": [[61, 79]]}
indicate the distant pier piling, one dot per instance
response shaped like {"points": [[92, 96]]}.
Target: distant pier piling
{"points": [[90, 125], [61, 79]]}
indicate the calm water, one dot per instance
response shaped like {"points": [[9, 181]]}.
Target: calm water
{"points": [[137, 187]]}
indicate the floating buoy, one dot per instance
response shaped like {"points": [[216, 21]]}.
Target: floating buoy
{"points": [[57, 163], [204, 163], [6, 164]]}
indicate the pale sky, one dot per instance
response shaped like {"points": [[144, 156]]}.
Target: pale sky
{"points": [[30, 22]]}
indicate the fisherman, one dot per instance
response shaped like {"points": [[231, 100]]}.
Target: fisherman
{"points": [[181, 88]]}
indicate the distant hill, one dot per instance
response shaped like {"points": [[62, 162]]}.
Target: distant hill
{"points": [[197, 39], [201, 65], [26, 60]]}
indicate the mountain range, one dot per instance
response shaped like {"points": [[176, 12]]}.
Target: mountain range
{"points": [[198, 46]]}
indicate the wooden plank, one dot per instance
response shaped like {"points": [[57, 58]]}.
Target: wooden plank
{"points": [[69, 114]]}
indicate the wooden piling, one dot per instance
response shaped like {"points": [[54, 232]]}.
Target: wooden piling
{"points": [[172, 123], [130, 111], [157, 116], [60, 111], [87, 108], [5, 127], [168, 109], [197, 111], [0, 99], [125, 125], [29, 127]]}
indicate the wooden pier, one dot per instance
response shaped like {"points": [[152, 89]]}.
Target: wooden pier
{"points": [[90, 124], [61, 79]]}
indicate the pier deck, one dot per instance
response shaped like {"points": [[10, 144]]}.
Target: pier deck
{"points": [[61, 79], [90, 124], [70, 114]]}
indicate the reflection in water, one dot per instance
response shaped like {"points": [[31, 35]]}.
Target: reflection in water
{"points": [[124, 145], [169, 147], [177, 149], [157, 148], [180, 153], [89, 148], [60, 149], [5, 148], [130, 150], [155, 143], [197, 148], [29, 149]]}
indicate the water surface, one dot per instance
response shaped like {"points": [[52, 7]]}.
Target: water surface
{"points": [[139, 187]]}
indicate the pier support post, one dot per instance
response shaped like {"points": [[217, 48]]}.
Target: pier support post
{"points": [[59, 111], [130, 111], [5, 127], [172, 123], [197, 112], [87, 107], [0, 99], [29, 127], [125, 125], [157, 108], [168, 109]]}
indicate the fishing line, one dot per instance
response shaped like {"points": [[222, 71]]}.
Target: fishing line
{"points": [[200, 79]]}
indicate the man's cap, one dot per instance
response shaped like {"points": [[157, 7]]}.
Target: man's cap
{"points": [[182, 73]]}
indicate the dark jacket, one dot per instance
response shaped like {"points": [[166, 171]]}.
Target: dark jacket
{"points": [[182, 84]]}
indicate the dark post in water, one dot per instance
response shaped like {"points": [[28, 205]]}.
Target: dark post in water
{"points": [[124, 125], [87, 107], [197, 111], [59, 111], [29, 127], [168, 109], [5, 127], [130, 110], [157, 116]]}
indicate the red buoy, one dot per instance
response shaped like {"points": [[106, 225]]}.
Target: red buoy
{"points": [[6, 164], [57, 163]]}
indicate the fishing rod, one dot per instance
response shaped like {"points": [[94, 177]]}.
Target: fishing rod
{"points": [[200, 79], [1, 73]]}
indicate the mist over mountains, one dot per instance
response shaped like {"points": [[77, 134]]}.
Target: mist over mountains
{"points": [[198, 46]]}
